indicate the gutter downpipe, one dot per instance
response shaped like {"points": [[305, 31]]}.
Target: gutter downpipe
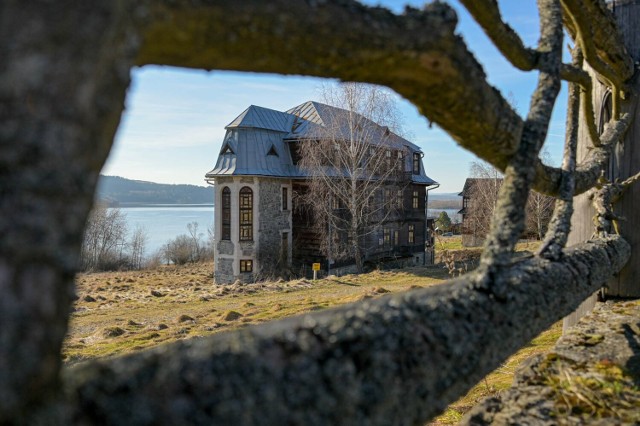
{"points": [[426, 217]]}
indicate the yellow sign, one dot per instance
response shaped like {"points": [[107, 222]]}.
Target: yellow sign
{"points": [[316, 267]]}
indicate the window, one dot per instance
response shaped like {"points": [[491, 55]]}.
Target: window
{"points": [[388, 156], [246, 214], [226, 150], [465, 202], [335, 202], [285, 199], [226, 213], [399, 198], [388, 198], [416, 163], [416, 199], [246, 266], [411, 234], [400, 161], [386, 236], [396, 238]]}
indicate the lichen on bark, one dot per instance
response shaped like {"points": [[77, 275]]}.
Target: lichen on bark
{"points": [[63, 80]]}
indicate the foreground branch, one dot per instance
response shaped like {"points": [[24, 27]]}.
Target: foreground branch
{"points": [[560, 225], [386, 361]]}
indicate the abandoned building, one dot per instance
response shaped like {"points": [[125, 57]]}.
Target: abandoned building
{"points": [[259, 232], [479, 196]]}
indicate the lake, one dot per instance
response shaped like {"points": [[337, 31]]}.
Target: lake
{"points": [[164, 223]]}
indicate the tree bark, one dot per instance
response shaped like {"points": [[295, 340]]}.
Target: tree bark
{"points": [[398, 359], [63, 78]]}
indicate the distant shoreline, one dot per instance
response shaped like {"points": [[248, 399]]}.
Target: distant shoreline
{"points": [[126, 205]]}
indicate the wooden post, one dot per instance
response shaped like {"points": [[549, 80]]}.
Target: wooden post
{"points": [[625, 160]]}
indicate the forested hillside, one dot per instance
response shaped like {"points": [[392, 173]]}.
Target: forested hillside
{"points": [[116, 190]]}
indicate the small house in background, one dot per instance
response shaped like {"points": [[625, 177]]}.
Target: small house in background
{"points": [[479, 197], [259, 234]]}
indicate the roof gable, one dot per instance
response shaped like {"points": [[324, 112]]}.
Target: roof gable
{"points": [[263, 118]]}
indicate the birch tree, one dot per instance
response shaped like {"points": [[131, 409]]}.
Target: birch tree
{"points": [[63, 79], [356, 162], [484, 190], [104, 239]]}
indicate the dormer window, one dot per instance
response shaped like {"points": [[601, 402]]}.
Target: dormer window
{"points": [[226, 150], [416, 163]]}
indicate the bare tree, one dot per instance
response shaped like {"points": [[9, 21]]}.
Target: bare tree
{"points": [[180, 250], [356, 163], [196, 248], [482, 191], [539, 211], [63, 87], [185, 248], [104, 239], [137, 245]]}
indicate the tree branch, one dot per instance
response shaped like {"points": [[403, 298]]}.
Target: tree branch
{"points": [[591, 22], [386, 361], [508, 219], [588, 172], [560, 224]]}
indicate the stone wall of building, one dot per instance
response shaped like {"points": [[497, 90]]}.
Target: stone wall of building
{"points": [[274, 234], [228, 253], [270, 250], [223, 270]]}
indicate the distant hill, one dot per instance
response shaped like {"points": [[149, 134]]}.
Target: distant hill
{"points": [[118, 191], [444, 196], [445, 201]]}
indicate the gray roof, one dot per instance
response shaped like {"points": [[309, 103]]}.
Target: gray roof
{"points": [[256, 142], [262, 118], [312, 117]]}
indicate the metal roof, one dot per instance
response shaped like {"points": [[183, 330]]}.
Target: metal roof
{"points": [[256, 141], [263, 118]]}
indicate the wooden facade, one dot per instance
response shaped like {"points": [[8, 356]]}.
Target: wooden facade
{"points": [[624, 162]]}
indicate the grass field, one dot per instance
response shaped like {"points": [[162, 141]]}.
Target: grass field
{"points": [[122, 312]]}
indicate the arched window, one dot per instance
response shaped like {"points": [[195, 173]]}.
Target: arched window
{"points": [[246, 214], [226, 213]]}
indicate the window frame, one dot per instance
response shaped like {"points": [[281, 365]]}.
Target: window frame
{"points": [[285, 198], [416, 163], [246, 266], [225, 214], [245, 214], [411, 234], [415, 199]]}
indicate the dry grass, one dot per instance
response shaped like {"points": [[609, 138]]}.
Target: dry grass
{"points": [[122, 312], [455, 243], [501, 378]]}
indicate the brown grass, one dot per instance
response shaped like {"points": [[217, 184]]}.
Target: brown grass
{"points": [[134, 310], [176, 302]]}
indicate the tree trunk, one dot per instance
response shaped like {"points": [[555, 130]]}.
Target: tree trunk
{"points": [[59, 110]]}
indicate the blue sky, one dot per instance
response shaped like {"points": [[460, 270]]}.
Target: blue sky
{"points": [[174, 120]]}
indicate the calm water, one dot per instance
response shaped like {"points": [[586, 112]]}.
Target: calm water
{"points": [[165, 223]]}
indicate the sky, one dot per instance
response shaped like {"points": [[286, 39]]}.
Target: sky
{"points": [[174, 119]]}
